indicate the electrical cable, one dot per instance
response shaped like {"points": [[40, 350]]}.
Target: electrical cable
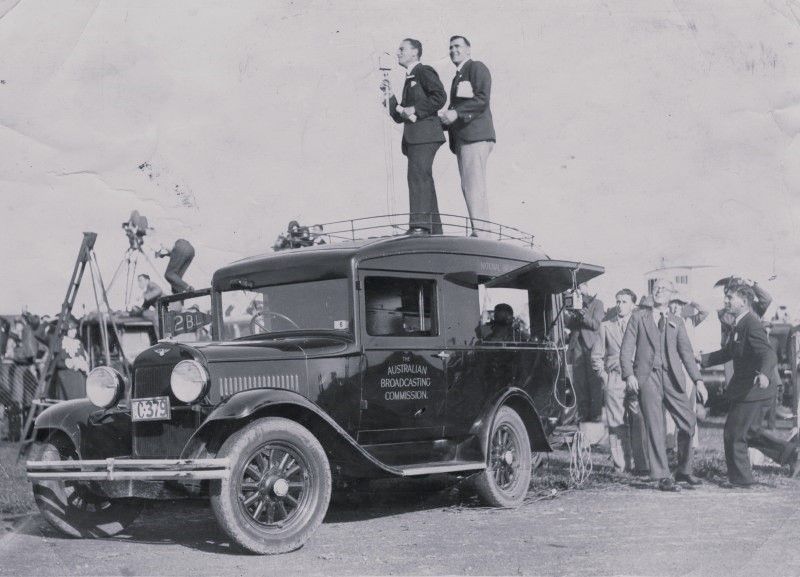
{"points": [[580, 459]]}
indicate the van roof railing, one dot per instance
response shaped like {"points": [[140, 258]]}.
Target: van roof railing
{"points": [[389, 225]]}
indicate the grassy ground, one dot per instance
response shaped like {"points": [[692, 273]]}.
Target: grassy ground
{"points": [[15, 491], [550, 479], [709, 465]]}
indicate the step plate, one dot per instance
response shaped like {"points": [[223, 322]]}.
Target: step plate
{"points": [[436, 468]]}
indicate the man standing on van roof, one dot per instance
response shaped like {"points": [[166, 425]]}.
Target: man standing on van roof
{"points": [[423, 95], [469, 121]]}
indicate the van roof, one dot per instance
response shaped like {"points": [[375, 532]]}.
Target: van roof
{"points": [[327, 261]]}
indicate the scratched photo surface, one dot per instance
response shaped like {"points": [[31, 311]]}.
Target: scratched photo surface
{"points": [[631, 134]]}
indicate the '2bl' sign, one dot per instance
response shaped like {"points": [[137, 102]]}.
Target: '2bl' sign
{"points": [[186, 322]]}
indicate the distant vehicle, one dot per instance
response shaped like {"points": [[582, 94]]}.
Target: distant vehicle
{"points": [[136, 334], [360, 359]]}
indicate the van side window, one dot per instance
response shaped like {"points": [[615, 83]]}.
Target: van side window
{"points": [[398, 306], [504, 315]]}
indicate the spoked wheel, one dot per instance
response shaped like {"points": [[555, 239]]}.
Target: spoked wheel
{"points": [[505, 481], [79, 509], [279, 487], [275, 485]]}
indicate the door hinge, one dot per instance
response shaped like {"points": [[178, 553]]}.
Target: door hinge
{"points": [[364, 405], [358, 285]]}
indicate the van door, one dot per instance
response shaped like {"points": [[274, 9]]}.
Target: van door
{"points": [[403, 387]]}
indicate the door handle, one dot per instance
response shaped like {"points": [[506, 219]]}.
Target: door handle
{"points": [[444, 355]]}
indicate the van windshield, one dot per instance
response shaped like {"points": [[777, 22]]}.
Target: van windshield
{"points": [[315, 305]]}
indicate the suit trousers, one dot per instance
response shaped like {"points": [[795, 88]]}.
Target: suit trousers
{"points": [[422, 202], [661, 391], [587, 383], [180, 257], [743, 429], [472, 158]]}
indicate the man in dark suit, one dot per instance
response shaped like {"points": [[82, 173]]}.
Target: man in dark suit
{"points": [[469, 121], [655, 350], [423, 95], [584, 326], [750, 390]]}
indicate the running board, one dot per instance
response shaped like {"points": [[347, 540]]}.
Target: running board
{"points": [[437, 468]]}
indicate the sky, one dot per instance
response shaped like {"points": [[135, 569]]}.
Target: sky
{"points": [[630, 133]]}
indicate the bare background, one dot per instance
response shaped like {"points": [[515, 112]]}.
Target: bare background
{"points": [[628, 131]]}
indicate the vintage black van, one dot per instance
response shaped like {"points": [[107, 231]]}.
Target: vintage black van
{"points": [[395, 356]]}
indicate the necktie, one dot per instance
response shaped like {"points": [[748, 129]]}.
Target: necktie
{"points": [[662, 322]]}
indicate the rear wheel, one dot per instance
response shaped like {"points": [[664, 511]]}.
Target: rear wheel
{"points": [[279, 488], [505, 481], [79, 509]]}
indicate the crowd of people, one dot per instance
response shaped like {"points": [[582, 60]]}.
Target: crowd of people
{"points": [[635, 367]]}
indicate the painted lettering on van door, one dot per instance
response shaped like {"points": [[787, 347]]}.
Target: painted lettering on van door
{"points": [[405, 381]]}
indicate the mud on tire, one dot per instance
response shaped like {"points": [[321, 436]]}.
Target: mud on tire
{"points": [[505, 481], [279, 487], [79, 509]]}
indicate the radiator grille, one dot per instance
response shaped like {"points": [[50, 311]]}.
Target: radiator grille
{"points": [[153, 439], [151, 381], [230, 385]]}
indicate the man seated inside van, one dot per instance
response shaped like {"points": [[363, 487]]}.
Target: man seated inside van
{"points": [[501, 328]]}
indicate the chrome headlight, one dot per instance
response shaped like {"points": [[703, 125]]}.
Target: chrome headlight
{"points": [[104, 386], [189, 381]]}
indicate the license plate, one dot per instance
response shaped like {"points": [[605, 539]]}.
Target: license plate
{"points": [[150, 409]]}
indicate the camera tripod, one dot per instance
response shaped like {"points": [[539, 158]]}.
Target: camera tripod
{"points": [[130, 261]]}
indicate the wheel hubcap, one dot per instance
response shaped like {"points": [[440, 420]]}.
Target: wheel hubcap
{"points": [[505, 452], [275, 486], [280, 488]]}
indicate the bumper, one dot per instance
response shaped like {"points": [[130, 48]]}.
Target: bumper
{"points": [[128, 469]]}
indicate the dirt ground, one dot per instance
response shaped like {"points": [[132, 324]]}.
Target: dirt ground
{"points": [[610, 526]]}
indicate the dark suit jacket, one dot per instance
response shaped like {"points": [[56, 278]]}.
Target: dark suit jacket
{"points": [[588, 325], [751, 353], [424, 91], [640, 341], [474, 115]]}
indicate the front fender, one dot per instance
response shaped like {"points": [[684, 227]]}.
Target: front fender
{"points": [[244, 406], [67, 417], [95, 433], [521, 402]]}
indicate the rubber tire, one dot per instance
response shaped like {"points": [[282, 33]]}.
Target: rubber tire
{"points": [[113, 516], [224, 498], [485, 483]]}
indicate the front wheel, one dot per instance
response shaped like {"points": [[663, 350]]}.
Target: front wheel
{"points": [[505, 481], [79, 509], [279, 488]]}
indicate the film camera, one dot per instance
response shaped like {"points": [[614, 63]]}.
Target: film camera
{"points": [[135, 229]]}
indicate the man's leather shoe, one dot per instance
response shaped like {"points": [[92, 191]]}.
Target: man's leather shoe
{"points": [[688, 479], [417, 230], [730, 485], [667, 484]]}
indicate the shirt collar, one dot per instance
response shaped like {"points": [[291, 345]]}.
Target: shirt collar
{"points": [[460, 66], [657, 314], [739, 318], [410, 71]]}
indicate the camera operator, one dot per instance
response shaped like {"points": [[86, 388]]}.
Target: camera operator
{"points": [[584, 325]]}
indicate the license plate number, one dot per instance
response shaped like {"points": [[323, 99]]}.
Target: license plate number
{"points": [[150, 409]]}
